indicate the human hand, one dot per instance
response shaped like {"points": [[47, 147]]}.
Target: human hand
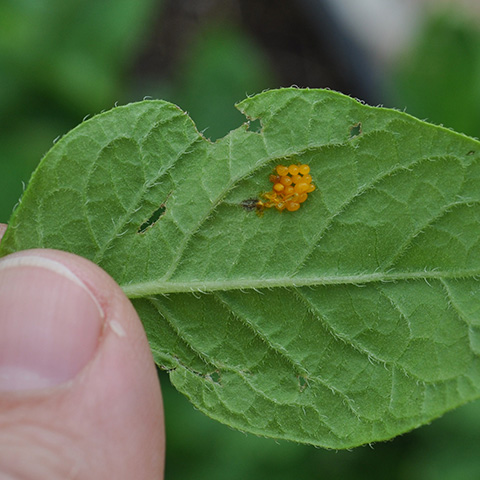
{"points": [[79, 393]]}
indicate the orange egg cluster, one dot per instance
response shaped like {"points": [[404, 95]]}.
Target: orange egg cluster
{"points": [[291, 186]]}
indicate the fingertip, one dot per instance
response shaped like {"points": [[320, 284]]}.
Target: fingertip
{"points": [[110, 411]]}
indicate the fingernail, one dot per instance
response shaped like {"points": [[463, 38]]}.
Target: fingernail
{"points": [[50, 323]]}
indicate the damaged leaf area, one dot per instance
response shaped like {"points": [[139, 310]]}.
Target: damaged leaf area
{"points": [[352, 320]]}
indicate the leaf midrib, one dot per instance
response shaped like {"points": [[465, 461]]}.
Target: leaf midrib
{"points": [[150, 288]]}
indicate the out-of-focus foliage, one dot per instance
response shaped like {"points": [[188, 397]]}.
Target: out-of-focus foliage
{"points": [[58, 62], [439, 78], [73, 53], [204, 450], [221, 67], [447, 449]]}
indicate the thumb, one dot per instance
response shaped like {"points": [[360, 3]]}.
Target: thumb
{"points": [[79, 394]]}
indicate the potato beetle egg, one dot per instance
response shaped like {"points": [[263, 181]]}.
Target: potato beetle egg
{"points": [[291, 186]]}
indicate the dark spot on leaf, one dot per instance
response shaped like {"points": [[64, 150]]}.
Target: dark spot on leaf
{"points": [[471, 152], [302, 382], [356, 130], [250, 204], [215, 377], [154, 217]]}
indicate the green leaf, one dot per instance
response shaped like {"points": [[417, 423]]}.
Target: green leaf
{"points": [[351, 320]]}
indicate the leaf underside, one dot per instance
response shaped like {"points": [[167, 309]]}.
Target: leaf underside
{"points": [[352, 320]]}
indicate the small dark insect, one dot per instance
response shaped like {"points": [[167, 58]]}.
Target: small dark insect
{"points": [[252, 204]]}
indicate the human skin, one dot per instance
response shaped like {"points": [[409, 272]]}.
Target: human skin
{"points": [[79, 392]]}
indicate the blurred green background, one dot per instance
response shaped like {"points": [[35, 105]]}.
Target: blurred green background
{"points": [[62, 61]]}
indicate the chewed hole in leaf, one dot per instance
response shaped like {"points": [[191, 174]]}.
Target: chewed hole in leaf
{"points": [[356, 130], [214, 377], [255, 125], [153, 219], [302, 383]]}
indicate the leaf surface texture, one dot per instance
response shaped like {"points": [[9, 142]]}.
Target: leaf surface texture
{"points": [[352, 320]]}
